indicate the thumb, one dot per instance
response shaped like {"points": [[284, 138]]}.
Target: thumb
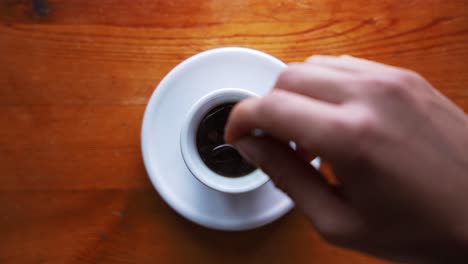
{"points": [[334, 219]]}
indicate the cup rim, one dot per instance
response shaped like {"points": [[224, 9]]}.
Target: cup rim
{"points": [[190, 154]]}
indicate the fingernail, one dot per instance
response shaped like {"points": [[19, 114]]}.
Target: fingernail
{"points": [[248, 148]]}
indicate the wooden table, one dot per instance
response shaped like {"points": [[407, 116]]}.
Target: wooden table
{"points": [[75, 77]]}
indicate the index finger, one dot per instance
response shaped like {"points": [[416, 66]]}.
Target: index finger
{"points": [[314, 125]]}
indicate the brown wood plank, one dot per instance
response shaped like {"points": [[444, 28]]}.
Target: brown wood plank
{"points": [[73, 169], [137, 226], [121, 65], [75, 126], [75, 76]]}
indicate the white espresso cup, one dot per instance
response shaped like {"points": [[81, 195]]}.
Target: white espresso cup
{"points": [[190, 152]]}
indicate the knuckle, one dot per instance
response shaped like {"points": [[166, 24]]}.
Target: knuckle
{"points": [[407, 78], [345, 56], [391, 87], [319, 58], [388, 87], [270, 105], [333, 124], [339, 124], [363, 130], [364, 125], [289, 76], [341, 228], [240, 110], [332, 231]]}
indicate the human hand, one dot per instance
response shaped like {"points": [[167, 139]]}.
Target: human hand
{"points": [[398, 148]]}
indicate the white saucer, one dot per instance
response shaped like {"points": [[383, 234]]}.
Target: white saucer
{"points": [[164, 116]]}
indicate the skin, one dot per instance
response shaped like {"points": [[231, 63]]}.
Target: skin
{"points": [[398, 149]]}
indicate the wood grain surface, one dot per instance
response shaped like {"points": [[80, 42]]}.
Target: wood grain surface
{"points": [[75, 77]]}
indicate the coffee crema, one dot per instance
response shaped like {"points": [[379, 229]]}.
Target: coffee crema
{"points": [[220, 157]]}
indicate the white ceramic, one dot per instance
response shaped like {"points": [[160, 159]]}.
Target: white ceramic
{"points": [[164, 118], [190, 152]]}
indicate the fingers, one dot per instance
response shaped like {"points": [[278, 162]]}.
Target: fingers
{"points": [[316, 81], [332, 79], [362, 70], [311, 124], [332, 217]]}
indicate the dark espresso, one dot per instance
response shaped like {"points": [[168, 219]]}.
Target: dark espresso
{"points": [[220, 157]]}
